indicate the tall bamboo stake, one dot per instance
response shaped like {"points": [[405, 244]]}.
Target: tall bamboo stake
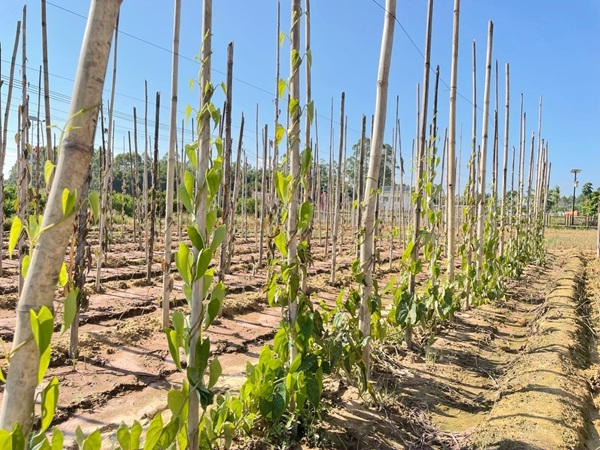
{"points": [[231, 225], [361, 177], [338, 194], [263, 194], [155, 188], [167, 284], [3, 141], [366, 250], [393, 186], [108, 164], [204, 151], [505, 159], [484, 142], [451, 195], [256, 185], [422, 127], [226, 181], [23, 172], [39, 287], [49, 146]]}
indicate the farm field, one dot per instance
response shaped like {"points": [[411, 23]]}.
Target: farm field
{"points": [[504, 373], [287, 252]]}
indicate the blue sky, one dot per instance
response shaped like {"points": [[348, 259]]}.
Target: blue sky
{"points": [[553, 48]]}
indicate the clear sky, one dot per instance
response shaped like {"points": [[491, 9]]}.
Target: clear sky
{"points": [[553, 48]]}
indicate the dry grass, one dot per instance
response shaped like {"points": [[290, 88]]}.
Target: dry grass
{"points": [[563, 239]]}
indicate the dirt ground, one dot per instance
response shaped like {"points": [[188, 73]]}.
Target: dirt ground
{"points": [[522, 373]]}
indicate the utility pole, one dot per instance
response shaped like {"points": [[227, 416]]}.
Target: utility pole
{"points": [[574, 172]]}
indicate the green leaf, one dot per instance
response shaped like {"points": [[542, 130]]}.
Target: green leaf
{"points": [[63, 276], [279, 133], [204, 258], [68, 201], [281, 38], [185, 199], [309, 60], [195, 237], [94, 201], [216, 300], [293, 106], [281, 243], [169, 433], [296, 60], [305, 160], [25, 265], [48, 171], [218, 237], [124, 437], [69, 310], [15, 232], [154, 432], [310, 109], [211, 219], [49, 402], [136, 432], [281, 85], [173, 342], [188, 182], [188, 107], [57, 439], [202, 354], [93, 441], [42, 325], [182, 262], [306, 215], [213, 181], [190, 151], [214, 370]]}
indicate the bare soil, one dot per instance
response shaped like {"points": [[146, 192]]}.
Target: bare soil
{"points": [[521, 373]]}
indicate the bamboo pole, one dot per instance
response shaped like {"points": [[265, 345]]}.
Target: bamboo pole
{"points": [[422, 127], [137, 181], [263, 200], [73, 164], [204, 151], [484, 143], [3, 142], [108, 163], [49, 146], [231, 225], [23, 172], [338, 195], [171, 163], [366, 250], [393, 185], [505, 159], [361, 177], [155, 188], [226, 181]]}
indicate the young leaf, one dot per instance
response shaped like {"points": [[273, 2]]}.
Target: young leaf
{"points": [[214, 370], [48, 170], [182, 262], [49, 402], [94, 204], [188, 107], [69, 310], [57, 439], [173, 342], [204, 257], [218, 237], [195, 237], [190, 150], [169, 433], [42, 325], [68, 201], [310, 109], [216, 300], [281, 38], [124, 436], [185, 199], [25, 265], [63, 277], [136, 432], [281, 243], [154, 432], [93, 441], [281, 85], [15, 232]]}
